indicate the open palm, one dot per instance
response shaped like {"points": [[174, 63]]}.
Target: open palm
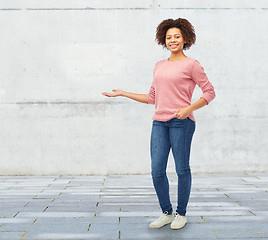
{"points": [[116, 93]]}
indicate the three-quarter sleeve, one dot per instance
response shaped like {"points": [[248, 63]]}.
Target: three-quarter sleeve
{"points": [[201, 79], [151, 95]]}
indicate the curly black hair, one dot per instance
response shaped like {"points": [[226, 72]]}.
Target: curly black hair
{"points": [[187, 31]]}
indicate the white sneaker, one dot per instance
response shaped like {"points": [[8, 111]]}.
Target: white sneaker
{"points": [[163, 220], [178, 222]]}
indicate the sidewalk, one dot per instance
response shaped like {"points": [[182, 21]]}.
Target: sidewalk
{"points": [[221, 206]]}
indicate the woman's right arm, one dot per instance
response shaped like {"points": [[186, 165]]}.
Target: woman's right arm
{"points": [[135, 96]]}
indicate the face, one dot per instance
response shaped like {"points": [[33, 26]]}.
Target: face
{"points": [[174, 40]]}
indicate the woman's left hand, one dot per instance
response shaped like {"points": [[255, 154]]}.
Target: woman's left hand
{"points": [[183, 113]]}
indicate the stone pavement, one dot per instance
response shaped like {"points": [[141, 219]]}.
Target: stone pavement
{"points": [[221, 206]]}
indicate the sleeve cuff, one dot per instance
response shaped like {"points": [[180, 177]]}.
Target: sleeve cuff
{"points": [[149, 99], [208, 97]]}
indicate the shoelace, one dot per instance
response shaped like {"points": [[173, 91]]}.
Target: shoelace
{"points": [[163, 215], [177, 216]]}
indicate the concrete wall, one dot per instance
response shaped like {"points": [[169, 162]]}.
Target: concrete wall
{"points": [[58, 56]]}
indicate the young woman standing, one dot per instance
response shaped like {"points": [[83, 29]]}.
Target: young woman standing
{"points": [[173, 126]]}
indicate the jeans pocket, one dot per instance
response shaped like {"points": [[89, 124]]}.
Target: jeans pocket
{"points": [[190, 119], [181, 119]]}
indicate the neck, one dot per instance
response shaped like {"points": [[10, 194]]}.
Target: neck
{"points": [[177, 56]]}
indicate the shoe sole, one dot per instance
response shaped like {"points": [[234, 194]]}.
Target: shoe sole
{"points": [[160, 226], [178, 228]]}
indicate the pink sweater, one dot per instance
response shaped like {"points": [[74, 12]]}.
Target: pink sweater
{"points": [[173, 86]]}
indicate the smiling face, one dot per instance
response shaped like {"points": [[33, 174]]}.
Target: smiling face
{"points": [[174, 40]]}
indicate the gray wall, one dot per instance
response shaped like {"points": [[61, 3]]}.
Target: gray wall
{"points": [[58, 56]]}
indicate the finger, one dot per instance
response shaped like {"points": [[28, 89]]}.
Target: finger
{"points": [[114, 90]]}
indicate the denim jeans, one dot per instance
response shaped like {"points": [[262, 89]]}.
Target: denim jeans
{"points": [[175, 134]]}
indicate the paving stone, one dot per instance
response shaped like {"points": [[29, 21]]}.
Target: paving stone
{"points": [[215, 208], [39, 202], [247, 238], [63, 236], [72, 203], [261, 213], [15, 220], [219, 213], [148, 220], [141, 208], [129, 214], [55, 214], [246, 230], [111, 229], [221, 206], [190, 231], [213, 204], [71, 209], [23, 209], [259, 207], [14, 198], [106, 203], [236, 219], [11, 235], [4, 214]]}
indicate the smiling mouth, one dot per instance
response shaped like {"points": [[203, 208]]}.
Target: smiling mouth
{"points": [[174, 45]]}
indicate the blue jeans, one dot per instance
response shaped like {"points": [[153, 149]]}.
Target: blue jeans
{"points": [[175, 134]]}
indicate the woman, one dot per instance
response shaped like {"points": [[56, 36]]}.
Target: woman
{"points": [[173, 124]]}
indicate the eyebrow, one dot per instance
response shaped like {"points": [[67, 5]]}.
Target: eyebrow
{"points": [[174, 34]]}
